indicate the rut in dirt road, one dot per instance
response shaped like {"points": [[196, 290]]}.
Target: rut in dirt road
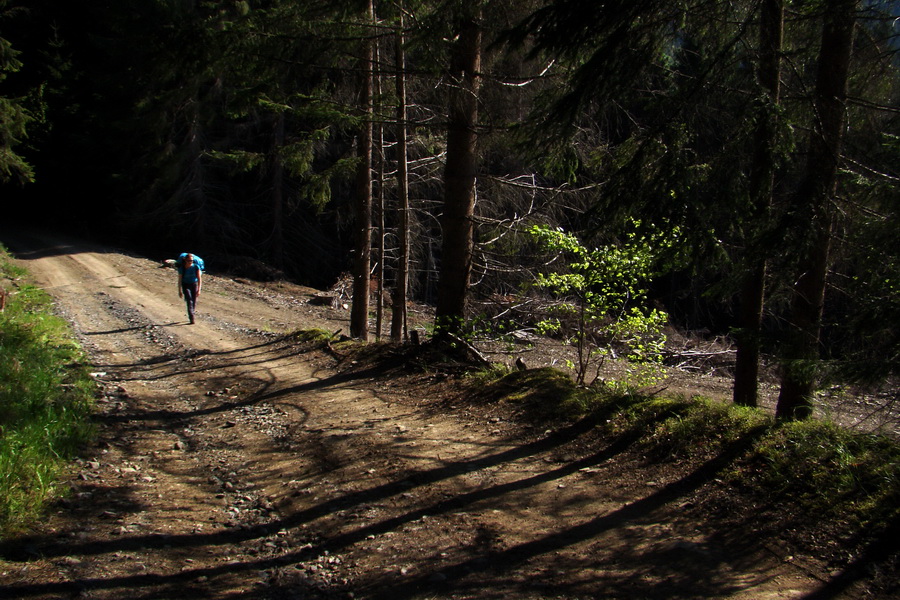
{"points": [[234, 463]]}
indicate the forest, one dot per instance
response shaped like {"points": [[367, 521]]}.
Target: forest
{"points": [[598, 171]]}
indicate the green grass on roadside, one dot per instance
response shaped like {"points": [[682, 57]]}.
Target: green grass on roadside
{"points": [[835, 472], [45, 401]]}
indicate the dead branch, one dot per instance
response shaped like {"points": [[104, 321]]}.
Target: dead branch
{"points": [[476, 354]]}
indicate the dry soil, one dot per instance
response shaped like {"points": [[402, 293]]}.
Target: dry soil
{"points": [[234, 461]]}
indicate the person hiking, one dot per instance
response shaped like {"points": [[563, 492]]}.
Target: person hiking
{"points": [[190, 280]]}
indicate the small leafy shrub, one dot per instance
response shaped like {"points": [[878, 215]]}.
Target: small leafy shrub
{"points": [[486, 327], [602, 292]]}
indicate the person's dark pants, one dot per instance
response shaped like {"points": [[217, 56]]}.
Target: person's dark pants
{"points": [[190, 298]]}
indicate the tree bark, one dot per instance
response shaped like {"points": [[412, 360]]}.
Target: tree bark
{"points": [[814, 205], [459, 177], [752, 298], [401, 286], [380, 204], [359, 313], [277, 170]]}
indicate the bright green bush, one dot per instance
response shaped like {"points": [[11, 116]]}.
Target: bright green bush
{"points": [[603, 292]]}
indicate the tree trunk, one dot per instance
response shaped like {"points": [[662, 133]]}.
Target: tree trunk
{"points": [[814, 198], [359, 313], [277, 171], [196, 181], [752, 299], [380, 228], [459, 177], [398, 306], [746, 367]]}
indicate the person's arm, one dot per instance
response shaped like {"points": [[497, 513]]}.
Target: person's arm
{"points": [[199, 279], [180, 293]]}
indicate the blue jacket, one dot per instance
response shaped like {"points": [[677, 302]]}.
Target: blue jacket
{"points": [[192, 274]]}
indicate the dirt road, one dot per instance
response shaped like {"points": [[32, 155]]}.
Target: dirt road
{"points": [[234, 462]]}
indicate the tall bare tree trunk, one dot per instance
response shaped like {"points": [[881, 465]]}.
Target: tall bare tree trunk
{"points": [[194, 187], [814, 201], [459, 176], [398, 306], [379, 212], [359, 312], [276, 242], [752, 299]]}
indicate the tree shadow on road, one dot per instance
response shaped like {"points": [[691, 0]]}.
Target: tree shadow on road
{"points": [[881, 553], [492, 569]]}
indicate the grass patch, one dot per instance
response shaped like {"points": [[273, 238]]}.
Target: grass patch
{"points": [[836, 473], [814, 467], [703, 427], [45, 401], [545, 392], [489, 375], [315, 335], [846, 478]]}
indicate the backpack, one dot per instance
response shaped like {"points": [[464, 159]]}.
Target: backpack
{"points": [[197, 261]]}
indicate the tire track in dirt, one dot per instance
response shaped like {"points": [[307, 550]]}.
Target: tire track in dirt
{"points": [[231, 466]]}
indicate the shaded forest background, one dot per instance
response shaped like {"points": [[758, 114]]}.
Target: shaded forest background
{"points": [[315, 139]]}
